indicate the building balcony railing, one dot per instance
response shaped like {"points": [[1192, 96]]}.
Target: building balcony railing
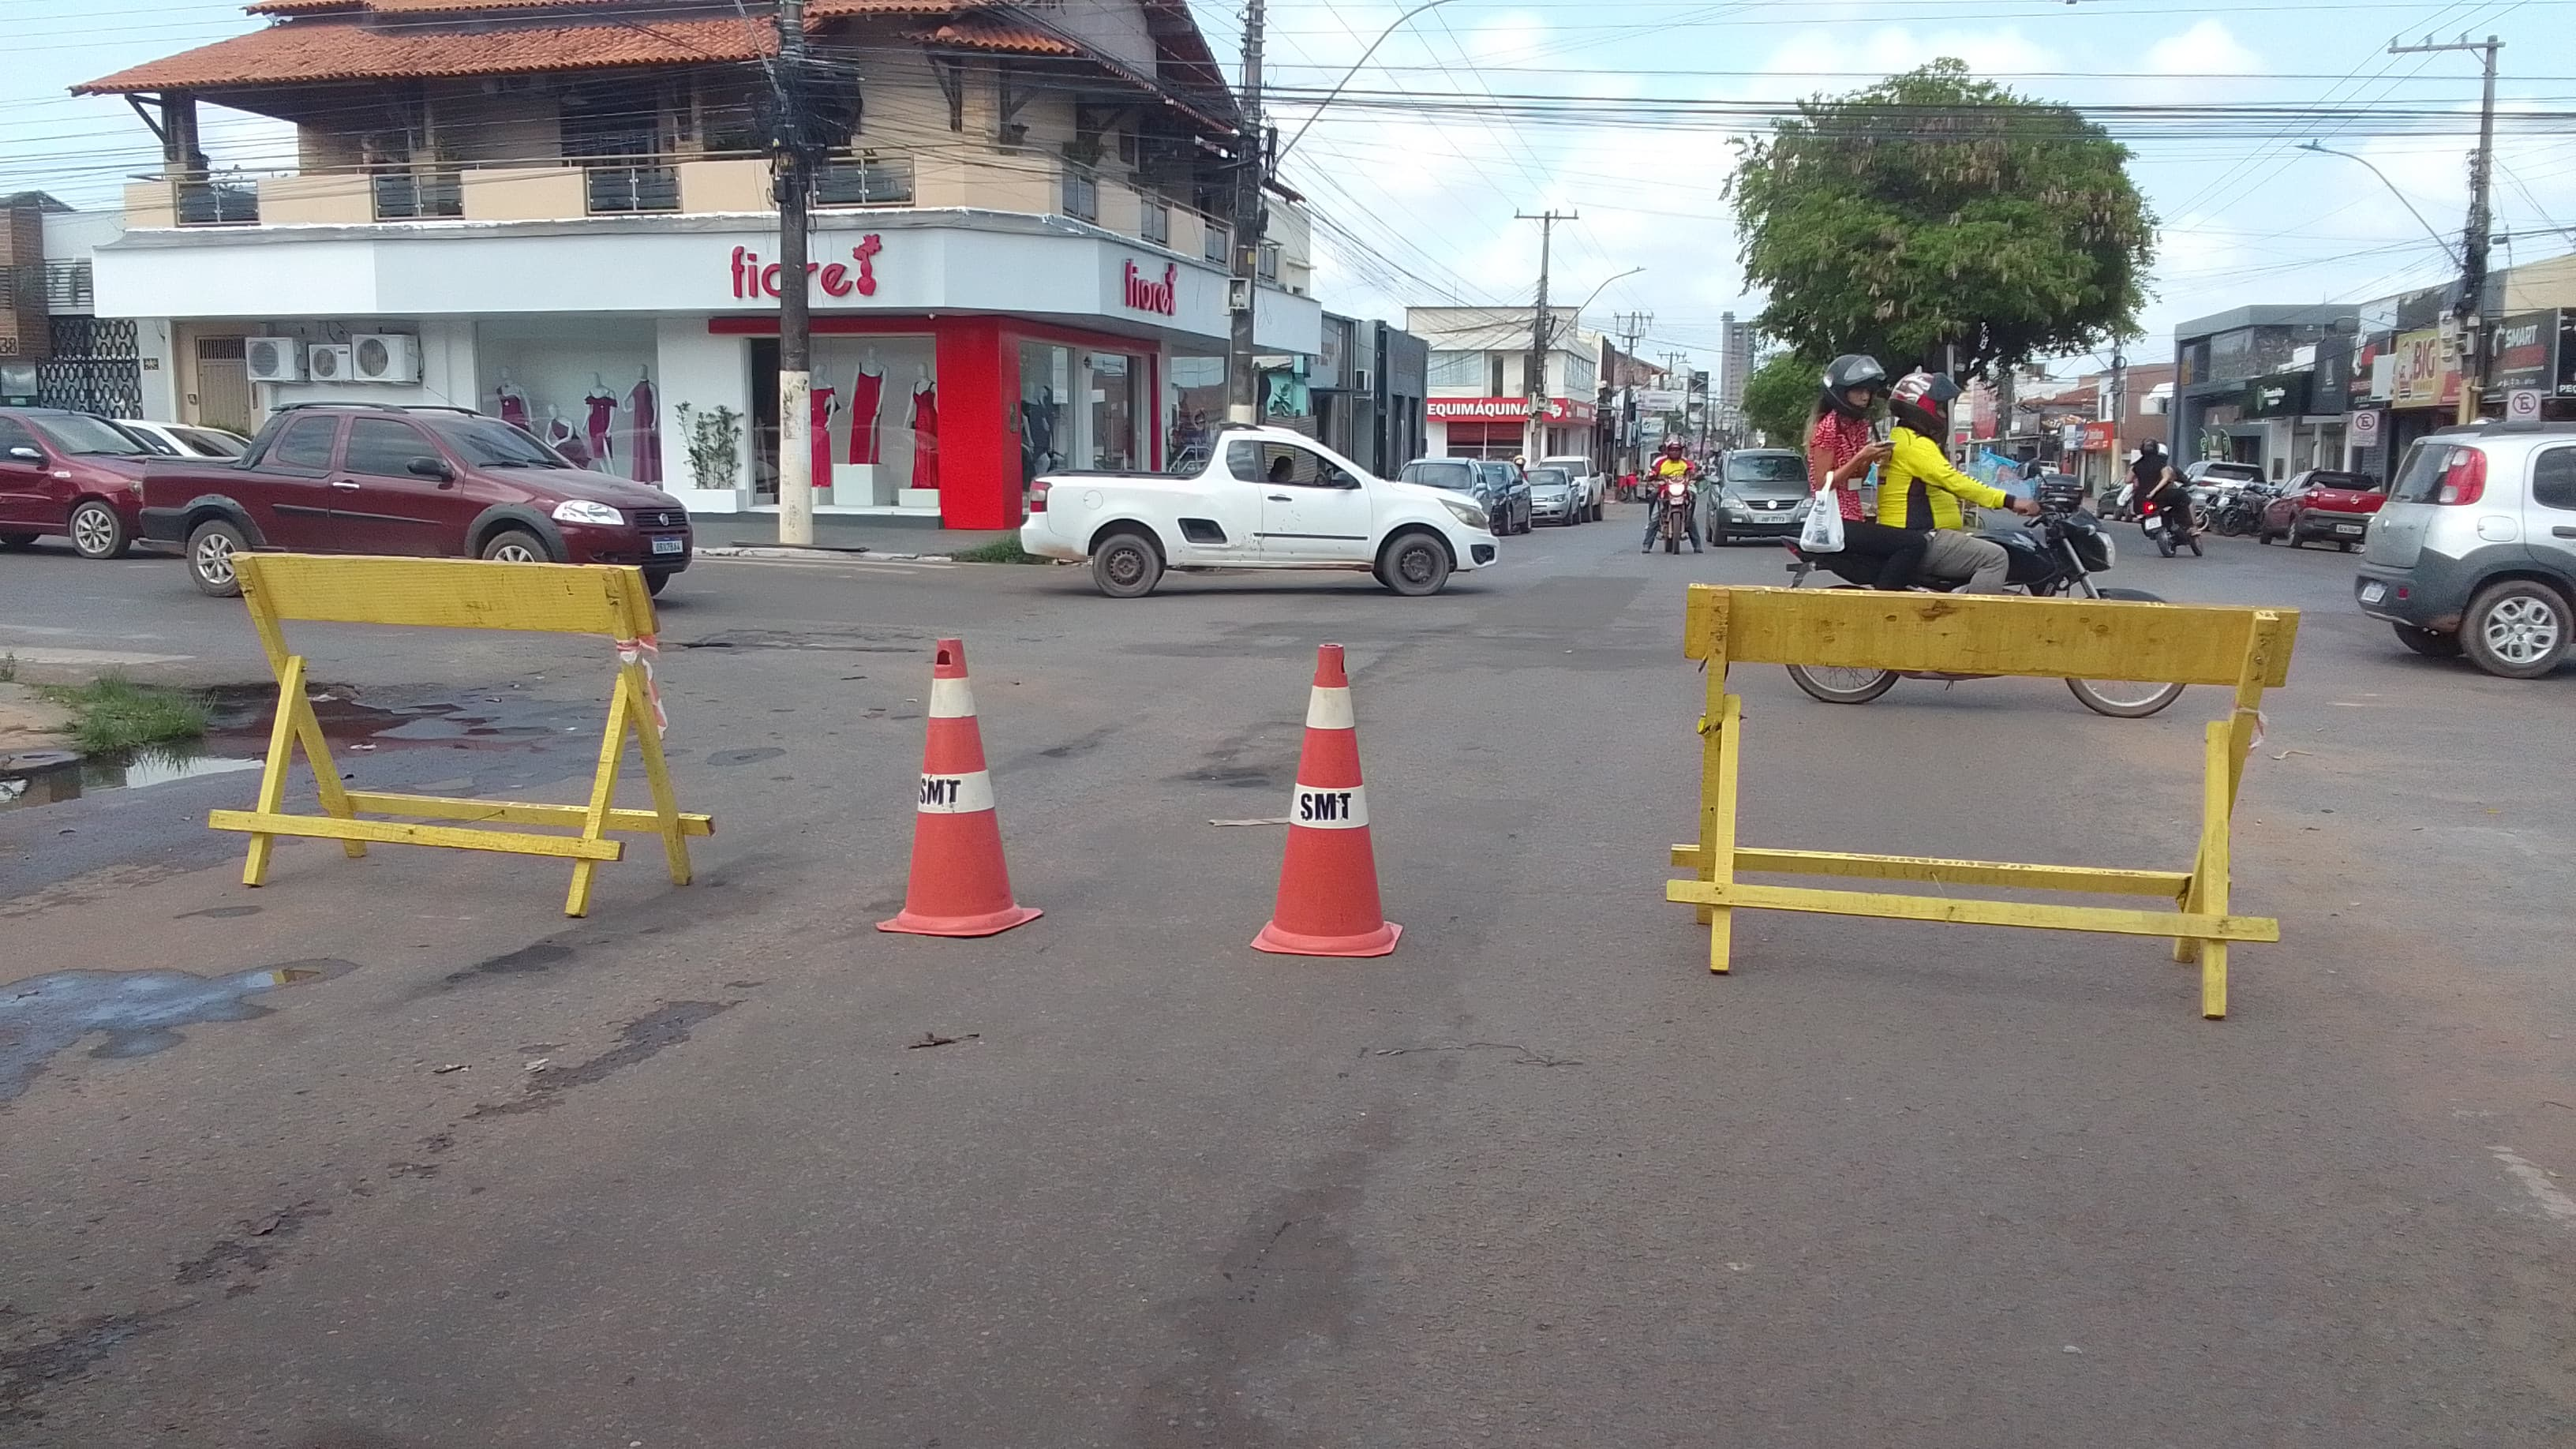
{"points": [[701, 187]]}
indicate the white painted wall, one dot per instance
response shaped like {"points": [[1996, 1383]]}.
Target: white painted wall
{"points": [[705, 372]]}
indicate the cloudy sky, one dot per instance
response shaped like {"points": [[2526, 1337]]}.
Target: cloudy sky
{"points": [[1417, 208]]}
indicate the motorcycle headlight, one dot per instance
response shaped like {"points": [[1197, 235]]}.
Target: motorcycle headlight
{"points": [[1468, 514], [582, 510]]}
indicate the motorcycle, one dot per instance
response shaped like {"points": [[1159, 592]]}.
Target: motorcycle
{"points": [[1674, 501], [2239, 511], [2054, 555], [2170, 526]]}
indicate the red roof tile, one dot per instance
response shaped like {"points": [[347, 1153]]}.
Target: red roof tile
{"points": [[298, 52], [968, 32]]}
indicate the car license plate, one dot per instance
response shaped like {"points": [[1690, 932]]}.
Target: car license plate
{"points": [[2372, 593], [2347, 528], [2154, 524], [669, 545]]}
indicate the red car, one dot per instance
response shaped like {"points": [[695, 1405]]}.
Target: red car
{"points": [[70, 475], [425, 482], [2322, 506]]}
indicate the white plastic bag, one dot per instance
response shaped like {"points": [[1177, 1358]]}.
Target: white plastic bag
{"points": [[1823, 532]]}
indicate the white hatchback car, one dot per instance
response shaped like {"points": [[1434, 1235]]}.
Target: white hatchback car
{"points": [[1266, 498]]}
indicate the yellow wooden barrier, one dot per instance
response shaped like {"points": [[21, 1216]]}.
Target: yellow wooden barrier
{"points": [[2247, 650], [459, 594]]}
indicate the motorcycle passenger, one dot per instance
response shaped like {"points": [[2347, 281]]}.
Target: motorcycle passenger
{"points": [[1674, 463], [1840, 453], [2169, 498], [1920, 490]]}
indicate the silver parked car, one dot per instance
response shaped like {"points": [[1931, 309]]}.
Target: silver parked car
{"points": [[1555, 496], [2475, 550]]}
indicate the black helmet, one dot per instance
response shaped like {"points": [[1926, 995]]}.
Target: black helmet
{"points": [[1921, 401], [1849, 371]]}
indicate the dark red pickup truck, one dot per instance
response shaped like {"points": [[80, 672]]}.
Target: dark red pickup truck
{"points": [[425, 482]]}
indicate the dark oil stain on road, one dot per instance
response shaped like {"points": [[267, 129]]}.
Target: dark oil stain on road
{"points": [[525, 961], [235, 1260], [218, 913], [644, 1037], [62, 1354], [140, 1012], [745, 757]]}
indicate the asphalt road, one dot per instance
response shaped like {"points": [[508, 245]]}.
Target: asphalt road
{"points": [[1536, 1179]]}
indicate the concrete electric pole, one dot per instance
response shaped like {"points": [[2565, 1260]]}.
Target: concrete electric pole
{"points": [[2481, 228], [1534, 371], [792, 180], [1251, 218]]}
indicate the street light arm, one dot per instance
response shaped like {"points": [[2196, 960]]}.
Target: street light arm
{"points": [[1336, 91], [1588, 301], [2438, 239]]}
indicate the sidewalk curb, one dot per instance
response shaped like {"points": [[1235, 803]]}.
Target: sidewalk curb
{"points": [[841, 555]]}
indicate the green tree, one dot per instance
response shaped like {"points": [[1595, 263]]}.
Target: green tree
{"points": [[1933, 209], [1780, 396]]}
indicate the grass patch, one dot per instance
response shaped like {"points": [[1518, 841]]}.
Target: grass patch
{"points": [[112, 715], [1000, 550], [8, 668]]}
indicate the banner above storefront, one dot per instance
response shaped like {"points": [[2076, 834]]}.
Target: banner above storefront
{"points": [[2526, 353], [2426, 371], [2281, 395]]}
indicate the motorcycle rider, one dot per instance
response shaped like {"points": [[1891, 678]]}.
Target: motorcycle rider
{"points": [[2169, 498], [1674, 463], [1840, 453], [1920, 490]]}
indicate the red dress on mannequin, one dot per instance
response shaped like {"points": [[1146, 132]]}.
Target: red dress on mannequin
{"points": [[867, 392], [603, 409], [822, 439], [925, 438], [643, 435]]}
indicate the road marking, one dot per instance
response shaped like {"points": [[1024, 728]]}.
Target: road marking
{"points": [[2559, 1206]]}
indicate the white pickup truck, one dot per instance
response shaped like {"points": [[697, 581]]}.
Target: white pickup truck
{"points": [[1267, 498]]}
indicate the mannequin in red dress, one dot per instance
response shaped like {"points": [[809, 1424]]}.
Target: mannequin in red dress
{"points": [[925, 432], [643, 432], [601, 425], [867, 395], [824, 407]]}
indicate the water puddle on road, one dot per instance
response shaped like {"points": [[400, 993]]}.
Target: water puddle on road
{"points": [[139, 1012], [51, 777]]}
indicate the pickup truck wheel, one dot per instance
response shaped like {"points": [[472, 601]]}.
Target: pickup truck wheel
{"points": [[210, 558], [98, 531], [1126, 565], [515, 545], [1414, 564], [17, 540]]}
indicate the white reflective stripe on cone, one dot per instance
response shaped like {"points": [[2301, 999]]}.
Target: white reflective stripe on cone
{"points": [[951, 699], [1328, 807], [957, 794], [1328, 709]]}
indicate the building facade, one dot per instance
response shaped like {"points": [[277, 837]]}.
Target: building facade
{"points": [[2244, 387], [1482, 401], [558, 212]]}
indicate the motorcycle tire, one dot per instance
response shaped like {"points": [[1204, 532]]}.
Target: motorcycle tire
{"points": [[1843, 686], [2164, 548], [2195, 547], [1673, 545], [2125, 699]]}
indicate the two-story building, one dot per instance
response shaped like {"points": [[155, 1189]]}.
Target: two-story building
{"points": [[1482, 403], [559, 212]]}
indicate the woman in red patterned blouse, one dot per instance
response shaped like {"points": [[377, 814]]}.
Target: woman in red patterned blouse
{"points": [[1840, 453]]}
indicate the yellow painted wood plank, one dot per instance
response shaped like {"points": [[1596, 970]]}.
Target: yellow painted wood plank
{"points": [[657, 773], [1976, 913], [2209, 878], [2164, 884], [448, 593], [1981, 634], [326, 827], [272, 776], [516, 812], [1722, 756], [603, 792]]}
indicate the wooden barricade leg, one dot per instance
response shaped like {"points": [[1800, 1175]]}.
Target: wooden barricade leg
{"points": [[272, 779], [666, 803], [1720, 754], [622, 706], [2209, 873]]}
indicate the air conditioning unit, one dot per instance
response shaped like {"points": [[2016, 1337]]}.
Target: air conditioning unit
{"points": [[274, 359], [385, 357], [329, 362]]}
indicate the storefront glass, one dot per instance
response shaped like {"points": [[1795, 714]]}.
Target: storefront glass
{"points": [[1194, 392], [875, 420], [1046, 382], [583, 384], [1112, 438]]}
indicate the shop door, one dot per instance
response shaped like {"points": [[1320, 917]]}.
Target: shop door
{"points": [[223, 386]]}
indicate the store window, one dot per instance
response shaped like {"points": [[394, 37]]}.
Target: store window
{"points": [[1046, 384], [1194, 395], [1115, 407], [874, 424], [583, 384]]}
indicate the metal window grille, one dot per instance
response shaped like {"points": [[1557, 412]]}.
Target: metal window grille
{"points": [[411, 195], [617, 190], [218, 203], [1081, 195], [1213, 240], [866, 180], [96, 367]]}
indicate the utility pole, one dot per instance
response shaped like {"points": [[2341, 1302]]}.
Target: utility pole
{"points": [[1534, 372], [2119, 405], [792, 181], [2473, 249], [1630, 327], [1251, 218]]}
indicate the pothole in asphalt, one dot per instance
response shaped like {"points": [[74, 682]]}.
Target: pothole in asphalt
{"points": [[138, 1012], [49, 777]]}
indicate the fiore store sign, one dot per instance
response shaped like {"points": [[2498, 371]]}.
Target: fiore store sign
{"points": [[1509, 409], [754, 278]]}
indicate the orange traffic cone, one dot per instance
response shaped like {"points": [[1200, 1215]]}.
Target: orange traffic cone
{"points": [[1328, 902], [960, 886]]}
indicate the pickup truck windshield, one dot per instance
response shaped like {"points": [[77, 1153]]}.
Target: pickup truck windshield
{"points": [[81, 433], [488, 444]]}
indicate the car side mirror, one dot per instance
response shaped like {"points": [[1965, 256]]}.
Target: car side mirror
{"points": [[25, 454], [434, 468]]}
